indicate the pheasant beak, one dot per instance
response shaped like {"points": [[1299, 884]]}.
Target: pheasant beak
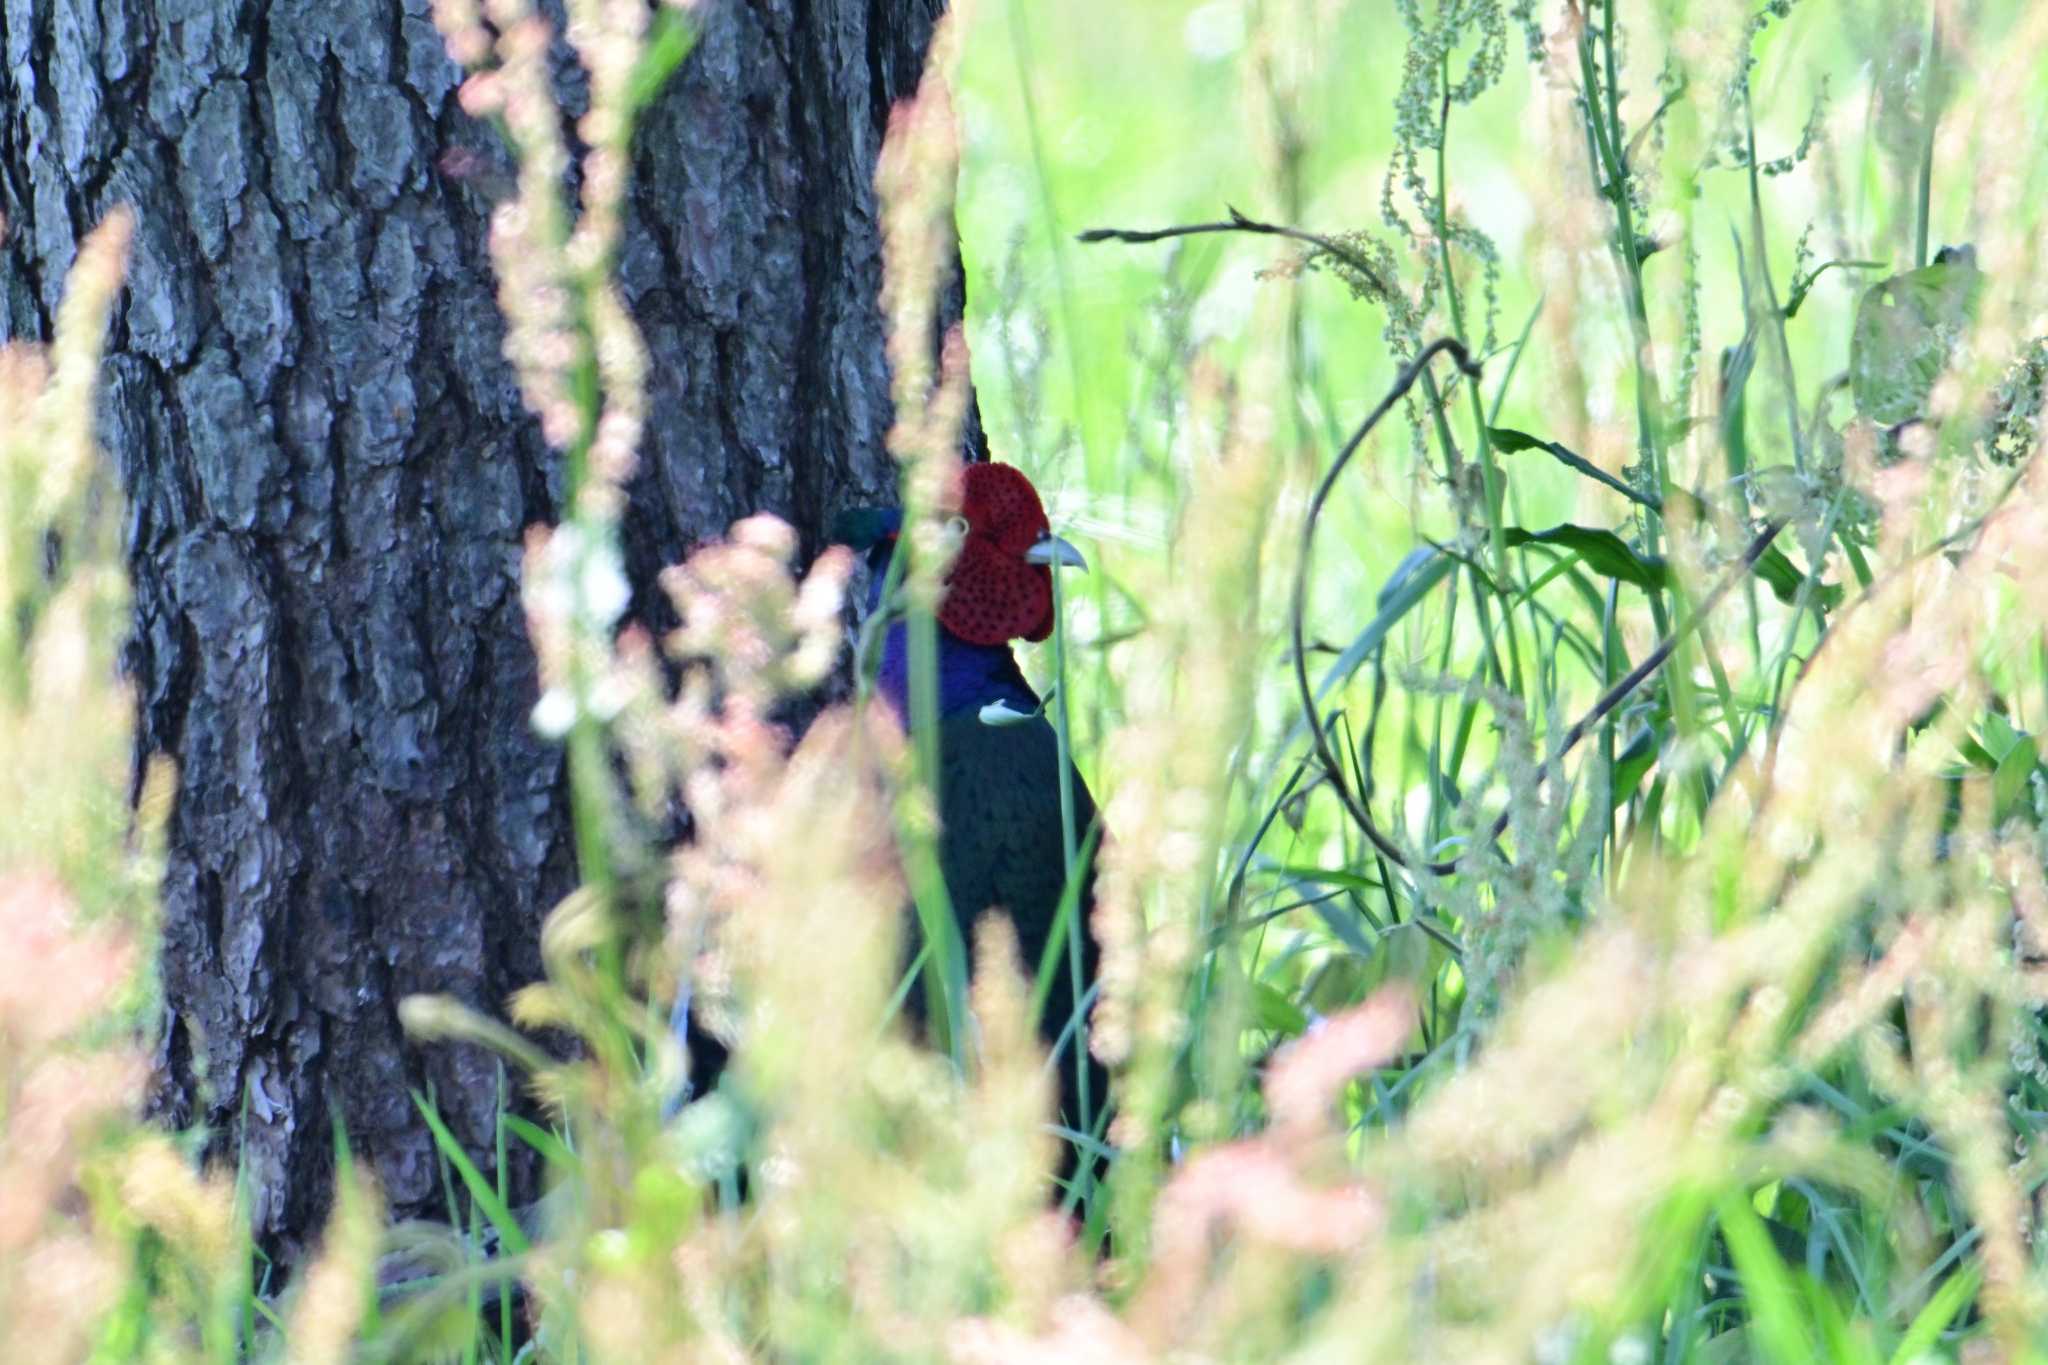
{"points": [[1050, 550]]}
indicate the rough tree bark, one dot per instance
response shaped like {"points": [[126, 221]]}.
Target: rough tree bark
{"points": [[329, 474]]}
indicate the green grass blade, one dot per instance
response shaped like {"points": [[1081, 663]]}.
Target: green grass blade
{"points": [[510, 1234], [1941, 1309]]}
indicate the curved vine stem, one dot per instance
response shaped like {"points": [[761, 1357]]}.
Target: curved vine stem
{"points": [[1354, 802]]}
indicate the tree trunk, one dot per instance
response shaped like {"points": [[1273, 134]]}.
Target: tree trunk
{"points": [[329, 474]]}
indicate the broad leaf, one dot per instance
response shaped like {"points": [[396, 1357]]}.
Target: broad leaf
{"points": [[1343, 881], [2014, 776], [1604, 552], [1275, 1012], [1632, 764], [1508, 441], [1906, 327], [1776, 569]]}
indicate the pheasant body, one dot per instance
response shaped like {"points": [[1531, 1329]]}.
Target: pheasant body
{"points": [[1002, 837]]}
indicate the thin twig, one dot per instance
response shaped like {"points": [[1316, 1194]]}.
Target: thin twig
{"points": [[1239, 223]]}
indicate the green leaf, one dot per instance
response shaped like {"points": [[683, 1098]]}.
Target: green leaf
{"points": [[1777, 570], [1347, 881], [510, 1235], [1604, 552], [1737, 363], [1905, 328], [1777, 1320], [550, 1147], [1345, 926], [673, 37], [1943, 1307], [1976, 755], [1841, 1344], [1415, 562], [1508, 441], [1999, 735], [1422, 570], [2009, 783], [1633, 763], [1274, 1012]]}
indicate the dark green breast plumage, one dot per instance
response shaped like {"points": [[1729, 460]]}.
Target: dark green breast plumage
{"points": [[1001, 839], [1002, 844]]}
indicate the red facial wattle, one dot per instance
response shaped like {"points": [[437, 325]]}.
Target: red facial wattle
{"points": [[993, 594]]}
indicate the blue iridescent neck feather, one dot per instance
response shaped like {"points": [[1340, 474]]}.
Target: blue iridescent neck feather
{"points": [[970, 675]]}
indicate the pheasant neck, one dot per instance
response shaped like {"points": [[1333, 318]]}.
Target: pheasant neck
{"points": [[970, 676]]}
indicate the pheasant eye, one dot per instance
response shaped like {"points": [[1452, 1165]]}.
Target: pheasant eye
{"points": [[956, 527]]}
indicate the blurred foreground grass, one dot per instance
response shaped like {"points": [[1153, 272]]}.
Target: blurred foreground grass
{"points": [[1715, 1039]]}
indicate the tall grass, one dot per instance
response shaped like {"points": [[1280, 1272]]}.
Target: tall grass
{"points": [[1435, 1034]]}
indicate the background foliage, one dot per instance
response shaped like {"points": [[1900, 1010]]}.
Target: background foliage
{"points": [[1715, 1038]]}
